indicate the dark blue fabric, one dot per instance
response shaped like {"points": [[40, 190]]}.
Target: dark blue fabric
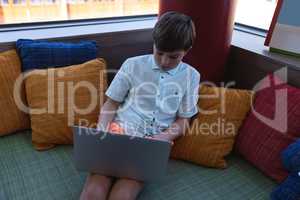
{"points": [[43, 54], [290, 188], [291, 157]]}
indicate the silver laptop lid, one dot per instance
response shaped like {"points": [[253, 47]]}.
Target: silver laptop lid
{"points": [[120, 155]]}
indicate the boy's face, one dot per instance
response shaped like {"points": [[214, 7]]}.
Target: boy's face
{"points": [[168, 60]]}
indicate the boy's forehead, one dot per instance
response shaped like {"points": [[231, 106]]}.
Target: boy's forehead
{"points": [[171, 52]]}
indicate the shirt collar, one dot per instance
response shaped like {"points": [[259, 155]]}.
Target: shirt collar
{"points": [[171, 72]]}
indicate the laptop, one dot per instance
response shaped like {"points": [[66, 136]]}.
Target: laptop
{"points": [[121, 156]]}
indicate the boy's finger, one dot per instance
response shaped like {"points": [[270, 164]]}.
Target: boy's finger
{"points": [[149, 137]]}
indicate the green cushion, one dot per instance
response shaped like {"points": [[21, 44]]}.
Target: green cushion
{"points": [[29, 174]]}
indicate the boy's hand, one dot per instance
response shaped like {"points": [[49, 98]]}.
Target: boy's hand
{"points": [[161, 137], [115, 128]]}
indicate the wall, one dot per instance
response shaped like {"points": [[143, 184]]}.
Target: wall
{"points": [[113, 47], [246, 68]]}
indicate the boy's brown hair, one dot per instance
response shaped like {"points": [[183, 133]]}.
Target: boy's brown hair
{"points": [[174, 31]]}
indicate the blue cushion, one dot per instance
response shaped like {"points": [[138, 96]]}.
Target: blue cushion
{"points": [[290, 188], [43, 54], [291, 157]]}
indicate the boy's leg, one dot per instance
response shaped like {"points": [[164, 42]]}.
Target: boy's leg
{"points": [[96, 187], [125, 189]]}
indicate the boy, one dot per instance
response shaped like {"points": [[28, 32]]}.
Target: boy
{"points": [[151, 95]]}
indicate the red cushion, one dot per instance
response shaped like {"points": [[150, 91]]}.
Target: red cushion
{"points": [[262, 144]]}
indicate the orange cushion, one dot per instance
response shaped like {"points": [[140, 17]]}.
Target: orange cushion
{"points": [[212, 132], [12, 118], [53, 111]]}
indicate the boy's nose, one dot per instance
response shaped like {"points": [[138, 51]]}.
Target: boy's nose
{"points": [[165, 62]]}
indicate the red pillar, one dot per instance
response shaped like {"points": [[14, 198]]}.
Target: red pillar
{"points": [[214, 20]]}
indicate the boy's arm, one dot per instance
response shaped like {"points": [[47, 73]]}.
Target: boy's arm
{"points": [[107, 113], [115, 93], [176, 129]]}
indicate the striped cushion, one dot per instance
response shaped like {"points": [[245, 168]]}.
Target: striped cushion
{"points": [[11, 117], [35, 175], [212, 133], [262, 144], [38, 54]]}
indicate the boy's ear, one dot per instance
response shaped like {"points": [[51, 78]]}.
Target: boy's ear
{"points": [[187, 51]]}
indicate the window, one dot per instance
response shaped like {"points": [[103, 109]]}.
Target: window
{"points": [[25, 11], [40, 2], [256, 13], [3, 2], [19, 2]]}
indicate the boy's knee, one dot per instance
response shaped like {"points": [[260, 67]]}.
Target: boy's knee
{"points": [[95, 188], [122, 194], [126, 190], [93, 191]]}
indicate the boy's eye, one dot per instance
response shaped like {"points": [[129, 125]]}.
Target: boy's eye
{"points": [[173, 57], [160, 54]]}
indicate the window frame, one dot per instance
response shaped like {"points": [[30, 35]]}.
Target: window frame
{"points": [[72, 22], [85, 22], [250, 29], [105, 20]]}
